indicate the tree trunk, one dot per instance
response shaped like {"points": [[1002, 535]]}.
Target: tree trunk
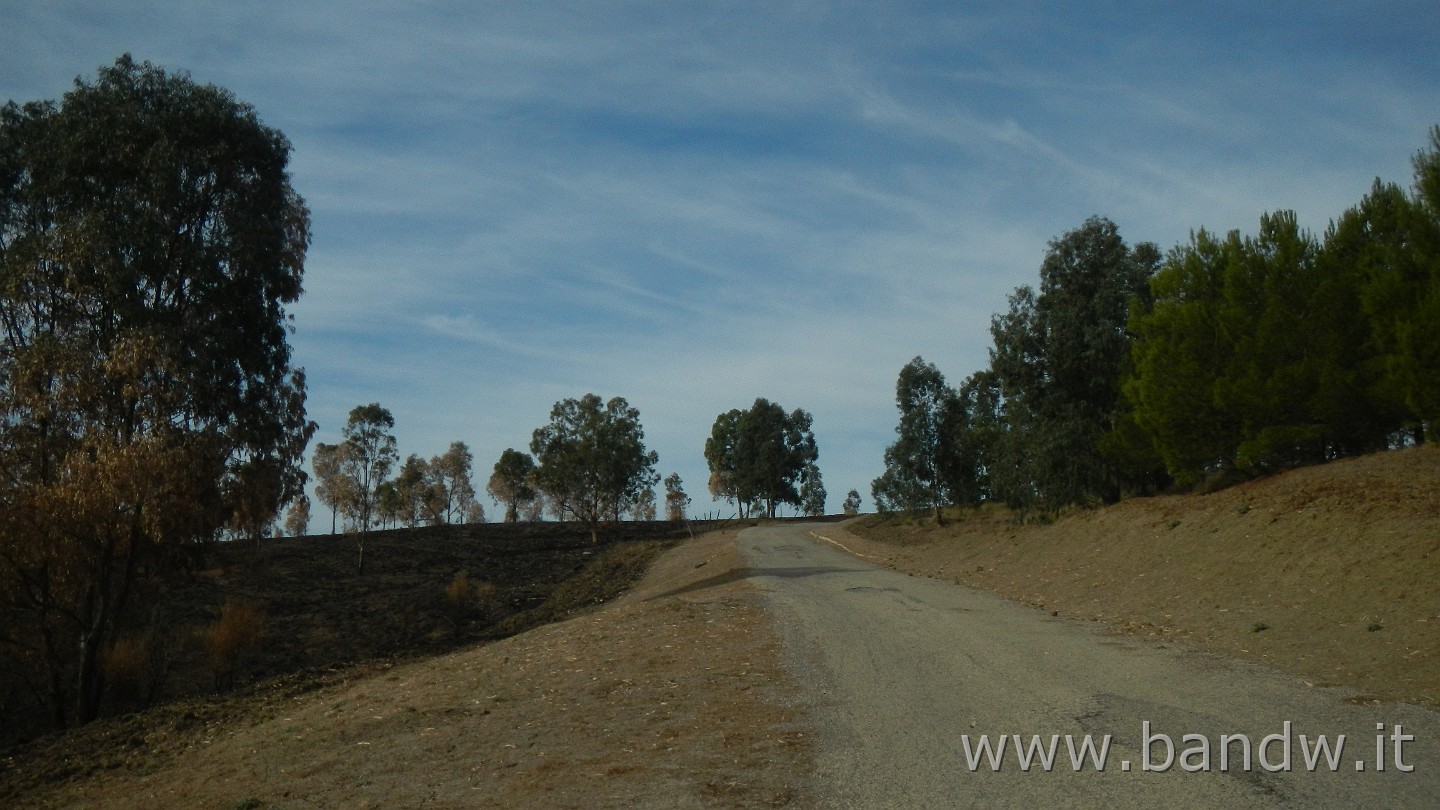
{"points": [[55, 682], [88, 683]]}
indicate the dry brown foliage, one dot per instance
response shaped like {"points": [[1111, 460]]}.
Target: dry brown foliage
{"points": [[485, 596], [457, 593], [131, 670], [239, 629], [463, 596]]}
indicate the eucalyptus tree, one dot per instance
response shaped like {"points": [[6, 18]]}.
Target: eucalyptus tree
{"points": [[812, 492], [150, 241], [297, 518], [916, 467], [369, 456], [512, 483], [720, 449], [644, 507], [759, 456], [591, 459], [414, 492], [676, 501], [331, 486], [1058, 359], [454, 494]]}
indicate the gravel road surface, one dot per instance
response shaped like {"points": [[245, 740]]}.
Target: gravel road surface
{"points": [[900, 671]]}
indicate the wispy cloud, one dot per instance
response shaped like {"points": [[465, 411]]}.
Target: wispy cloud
{"points": [[692, 206], [468, 329]]}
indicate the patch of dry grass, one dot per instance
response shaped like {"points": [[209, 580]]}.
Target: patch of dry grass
{"points": [[235, 633], [1316, 555]]}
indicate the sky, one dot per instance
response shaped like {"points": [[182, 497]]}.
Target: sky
{"points": [[692, 205]]}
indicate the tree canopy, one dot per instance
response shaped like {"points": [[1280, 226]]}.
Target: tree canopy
{"points": [[591, 459], [758, 457], [512, 483], [1264, 352], [150, 241], [1229, 356], [368, 458], [917, 470]]}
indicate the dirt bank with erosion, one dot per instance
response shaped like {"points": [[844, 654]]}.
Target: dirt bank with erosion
{"points": [[1331, 573]]}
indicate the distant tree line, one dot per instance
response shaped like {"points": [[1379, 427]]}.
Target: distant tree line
{"points": [[590, 464], [353, 479], [1130, 371]]}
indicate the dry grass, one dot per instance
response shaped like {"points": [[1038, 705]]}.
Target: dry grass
{"points": [[465, 597], [236, 632], [1317, 556], [484, 596], [457, 593], [671, 697], [132, 670]]}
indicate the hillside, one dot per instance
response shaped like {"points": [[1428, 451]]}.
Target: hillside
{"points": [[319, 618], [674, 694], [1327, 572], [671, 696]]}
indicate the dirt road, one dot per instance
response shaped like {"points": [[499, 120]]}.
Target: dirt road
{"points": [[902, 672]]}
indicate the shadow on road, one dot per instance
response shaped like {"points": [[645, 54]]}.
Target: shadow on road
{"points": [[737, 574]]}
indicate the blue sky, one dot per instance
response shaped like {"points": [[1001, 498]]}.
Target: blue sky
{"points": [[692, 205]]}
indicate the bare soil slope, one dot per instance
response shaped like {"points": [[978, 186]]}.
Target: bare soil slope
{"points": [[1331, 573], [670, 697]]}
